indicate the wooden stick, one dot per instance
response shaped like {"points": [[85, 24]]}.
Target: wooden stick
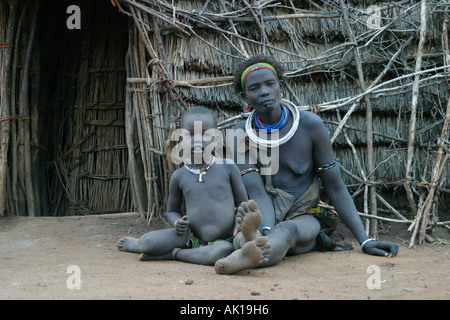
{"points": [[244, 50], [359, 166], [181, 83], [14, 124], [373, 84], [130, 126], [329, 207], [25, 112], [260, 26], [414, 101], [424, 210], [445, 32], [277, 17], [338, 103], [369, 120], [5, 107], [390, 208]]}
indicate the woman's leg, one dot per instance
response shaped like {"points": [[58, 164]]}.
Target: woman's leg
{"points": [[292, 237]]}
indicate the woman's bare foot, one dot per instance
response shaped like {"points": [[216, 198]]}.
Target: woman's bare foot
{"points": [[249, 219], [251, 255], [128, 244]]}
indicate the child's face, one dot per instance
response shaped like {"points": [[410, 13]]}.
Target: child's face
{"points": [[199, 136]]}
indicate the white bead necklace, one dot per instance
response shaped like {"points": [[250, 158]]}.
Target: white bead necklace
{"points": [[278, 142], [200, 171]]}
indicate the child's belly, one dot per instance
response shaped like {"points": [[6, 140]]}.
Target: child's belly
{"points": [[215, 223]]}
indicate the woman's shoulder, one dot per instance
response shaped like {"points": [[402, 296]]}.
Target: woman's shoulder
{"points": [[310, 120]]}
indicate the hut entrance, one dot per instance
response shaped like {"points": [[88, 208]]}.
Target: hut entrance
{"points": [[82, 111]]}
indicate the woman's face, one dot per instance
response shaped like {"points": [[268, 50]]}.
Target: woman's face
{"points": [[262, 90]]}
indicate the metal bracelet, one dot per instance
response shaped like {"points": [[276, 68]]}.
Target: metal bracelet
{"points": [[367, 240]]}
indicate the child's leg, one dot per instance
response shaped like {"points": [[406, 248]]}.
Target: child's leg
{"points": [[154, 243], [207, 255]]}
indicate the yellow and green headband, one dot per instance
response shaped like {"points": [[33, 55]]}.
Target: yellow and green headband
{"points": [[256, 66]]}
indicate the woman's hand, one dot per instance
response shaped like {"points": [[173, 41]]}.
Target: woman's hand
{"points": [[380, 248]]}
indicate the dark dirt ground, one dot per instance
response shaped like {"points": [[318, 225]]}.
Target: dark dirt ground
{"points": [[37, 252]]}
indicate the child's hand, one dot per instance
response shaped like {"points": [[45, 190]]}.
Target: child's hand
{"points": [[182, 225]]}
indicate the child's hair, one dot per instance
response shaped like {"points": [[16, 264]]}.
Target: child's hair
{"points": [[251, 61], [198, 111]]}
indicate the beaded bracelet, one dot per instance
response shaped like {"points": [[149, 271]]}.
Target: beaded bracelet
{"points": [[327, 166], [245, 171]]}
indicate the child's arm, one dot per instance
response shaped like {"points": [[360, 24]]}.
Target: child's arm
{"points": [[239, 191], [175, 201], [237, 186]]}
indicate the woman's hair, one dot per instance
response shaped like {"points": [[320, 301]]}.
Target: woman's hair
{"points": [[198, 111], [251, 61]]}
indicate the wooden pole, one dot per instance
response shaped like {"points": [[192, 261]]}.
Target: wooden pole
{"points": [[14, 125], [424, 211], [5, 107], [414, 102], [369, 121], [441, 160], [130, 125], [25, 112]]}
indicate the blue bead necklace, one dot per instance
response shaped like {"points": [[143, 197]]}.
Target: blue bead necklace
{"points": [[277, 126]]}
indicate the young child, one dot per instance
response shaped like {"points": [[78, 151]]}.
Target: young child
{"points": [[211, 189]]}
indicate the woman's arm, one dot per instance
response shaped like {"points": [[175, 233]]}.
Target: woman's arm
{"points": [[337, 191]]}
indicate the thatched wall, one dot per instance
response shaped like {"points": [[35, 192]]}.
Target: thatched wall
{"points": [[77, 150], [190, 50], [183, 53]]}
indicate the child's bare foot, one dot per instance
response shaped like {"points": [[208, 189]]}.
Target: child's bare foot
{"points": [[128, 244], [251, 255], [249, 219], [148, 257], [143, 257]]}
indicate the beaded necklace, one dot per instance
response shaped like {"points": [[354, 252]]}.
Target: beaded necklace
{"points": [[280, 124], [269, 143], [200, 171]]}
